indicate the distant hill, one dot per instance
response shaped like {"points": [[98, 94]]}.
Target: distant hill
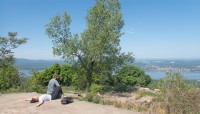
{"points": [[26, 64], [190, 65]]}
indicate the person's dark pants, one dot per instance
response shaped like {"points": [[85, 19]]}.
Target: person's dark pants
{"points": [[57, 93]]}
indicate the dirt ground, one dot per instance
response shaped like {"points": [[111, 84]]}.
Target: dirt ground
{"points": [[15, 103]]}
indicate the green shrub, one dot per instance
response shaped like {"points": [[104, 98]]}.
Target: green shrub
{"points": [[90, 97], [123, 88], [12, 90], [94, 88], [107, 88], [32, 84], [129, 76], [67, 75], [9, 78], [144, 93], [153, 85]]}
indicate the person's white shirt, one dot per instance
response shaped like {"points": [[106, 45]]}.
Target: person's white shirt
{"points": [[44, 97]]}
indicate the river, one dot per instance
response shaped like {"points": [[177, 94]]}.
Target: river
{"points": [[152, 74], [187, 75]]}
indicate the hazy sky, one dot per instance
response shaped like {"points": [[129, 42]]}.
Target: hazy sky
{"points": [[153, 28]]}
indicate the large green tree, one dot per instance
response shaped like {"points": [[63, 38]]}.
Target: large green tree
{"points": [[98, 46], [9, 76]]}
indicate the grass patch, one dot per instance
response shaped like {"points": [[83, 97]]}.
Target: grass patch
{"points": [[107, 102], [141, 108], [144, 93], [92, 98]]}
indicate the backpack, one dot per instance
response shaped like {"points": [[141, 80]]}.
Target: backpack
{"points": [[66, 100]]}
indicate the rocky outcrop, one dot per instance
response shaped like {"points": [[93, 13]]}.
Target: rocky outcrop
{"points": [[149, 90], [72, 94], [144, 100]]}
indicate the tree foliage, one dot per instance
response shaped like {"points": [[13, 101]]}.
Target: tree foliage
{"points": [[67, 75], [32, 84], [7, 45], [9, 76], [97, 47], [130, 76]]}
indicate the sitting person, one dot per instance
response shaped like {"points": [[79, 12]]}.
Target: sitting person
{"points": [[41, 99], [54, 88]]}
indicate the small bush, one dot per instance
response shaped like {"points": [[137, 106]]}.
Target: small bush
{"points": [[90, 97], [12, 90], [130, 105], [141, 108], [107, 102], [9, 78], [96, 88], [130, 76], [178, 97], [32, 85], [124, 88], [153, 85], [144, 93]]}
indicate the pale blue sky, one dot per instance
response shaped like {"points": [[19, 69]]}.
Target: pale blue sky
{"points": [[153, 28]]}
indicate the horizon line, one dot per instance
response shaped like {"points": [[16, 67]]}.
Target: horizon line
{"points": [[135, 59]]}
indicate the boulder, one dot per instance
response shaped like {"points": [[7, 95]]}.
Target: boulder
{"points": [[149, 90], [156, 90], [144, 100], [74, 95], [146, 90]]}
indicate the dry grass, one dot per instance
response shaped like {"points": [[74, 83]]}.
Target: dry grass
{"points": [[177, 97]]}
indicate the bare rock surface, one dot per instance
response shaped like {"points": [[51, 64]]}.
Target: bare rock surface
{"points": [[15, 103]]}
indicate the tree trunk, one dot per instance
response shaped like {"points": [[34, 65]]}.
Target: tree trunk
{"points": [[89, 76]]}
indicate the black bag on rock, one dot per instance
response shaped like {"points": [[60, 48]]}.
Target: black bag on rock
{"points": [[66, 100]]}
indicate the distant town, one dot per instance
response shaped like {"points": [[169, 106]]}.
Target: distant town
{"points": [[169, 65]]}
